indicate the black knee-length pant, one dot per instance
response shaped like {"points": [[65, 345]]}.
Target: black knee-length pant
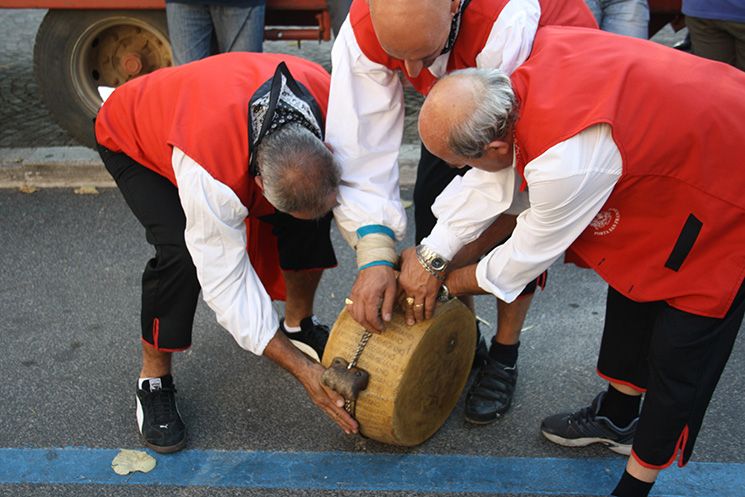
{"points": [[170, 287], [676, 358]]}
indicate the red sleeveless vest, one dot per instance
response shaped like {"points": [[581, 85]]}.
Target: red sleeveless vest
{"points": [[202, 108], [673, 228], [476, 24]]}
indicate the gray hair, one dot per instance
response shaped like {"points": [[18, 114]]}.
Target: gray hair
{"points": [[298, 170], [493, 116]]}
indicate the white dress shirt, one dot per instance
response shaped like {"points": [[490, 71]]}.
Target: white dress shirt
{"points": [[568, 184], [216, 239], [365, 119]]}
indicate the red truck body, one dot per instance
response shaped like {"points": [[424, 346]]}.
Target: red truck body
{"points": [[82, 45]]}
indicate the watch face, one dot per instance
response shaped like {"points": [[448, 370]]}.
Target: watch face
{"points": [[437, 264]]}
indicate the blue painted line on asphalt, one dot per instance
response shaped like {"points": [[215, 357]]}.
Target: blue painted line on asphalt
{"points": [[363, 472]]}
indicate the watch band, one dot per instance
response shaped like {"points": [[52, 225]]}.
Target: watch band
{"points": [[433, 262]]}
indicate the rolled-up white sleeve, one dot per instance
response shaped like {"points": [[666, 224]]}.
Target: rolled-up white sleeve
{"points": [[216, 239], [568, 184], [511, 38], [467, 206], [364, 126]]}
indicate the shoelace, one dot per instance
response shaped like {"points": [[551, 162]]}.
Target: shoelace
{"points": [[582, 416], [163, 405]]}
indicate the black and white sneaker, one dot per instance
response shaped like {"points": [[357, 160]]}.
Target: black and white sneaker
{"points": [[312, 337], [158, 418], [585, 427]]}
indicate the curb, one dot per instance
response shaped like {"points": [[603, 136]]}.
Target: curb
{"points": [[52, 167], [70, 167]]}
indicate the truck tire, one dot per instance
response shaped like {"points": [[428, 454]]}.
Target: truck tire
{"points": [[76, 51]]}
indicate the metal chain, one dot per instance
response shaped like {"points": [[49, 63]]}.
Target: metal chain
{"points": [[349, 404], [360, 347]]}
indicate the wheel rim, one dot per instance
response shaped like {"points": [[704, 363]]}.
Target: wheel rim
{"points": [[113, 51]]}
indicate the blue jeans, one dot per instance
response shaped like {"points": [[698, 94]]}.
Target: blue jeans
{"points": [[623, 17], [198, 31]]}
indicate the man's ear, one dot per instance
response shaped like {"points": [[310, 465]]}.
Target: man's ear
{"points": [[260, 182], [499, 147], [454, 4]]}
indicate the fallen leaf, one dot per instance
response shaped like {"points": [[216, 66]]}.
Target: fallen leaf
{"points": [[129, 461], [407, 203], [24, 188], [86, 190]]}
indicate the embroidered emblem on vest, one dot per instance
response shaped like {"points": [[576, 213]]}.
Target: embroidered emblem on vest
{"points": [[605, 222]]}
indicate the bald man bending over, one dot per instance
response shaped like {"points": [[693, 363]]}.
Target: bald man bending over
{"points": [[423, 39]]}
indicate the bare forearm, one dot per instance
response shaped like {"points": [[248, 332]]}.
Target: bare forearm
{"points": [[500, 229], [281, 351], [462, 281]]}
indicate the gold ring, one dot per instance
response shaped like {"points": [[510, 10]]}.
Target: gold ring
{"points": [[348, 301], [410, 301], [418, 305]]}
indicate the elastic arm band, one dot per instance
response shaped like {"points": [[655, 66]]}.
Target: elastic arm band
{"points": [[378, 263], [375, 228]]}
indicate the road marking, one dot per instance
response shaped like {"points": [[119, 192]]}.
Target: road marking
{"points": [[363, 472]]}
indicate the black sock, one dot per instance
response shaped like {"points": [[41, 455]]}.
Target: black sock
{"points": [[620, 408], [628, 486], [505, 354]]}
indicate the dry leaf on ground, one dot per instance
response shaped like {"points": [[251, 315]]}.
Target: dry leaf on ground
{"points": [[129, 461]]}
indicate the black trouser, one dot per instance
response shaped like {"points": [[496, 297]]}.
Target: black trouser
{"points": [[677, 358], [170, 287], [432, 176]]}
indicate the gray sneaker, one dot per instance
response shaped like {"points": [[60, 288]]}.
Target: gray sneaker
{"points": [[585, 427]]}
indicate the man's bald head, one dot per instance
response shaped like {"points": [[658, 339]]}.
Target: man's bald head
{"points": [[413, 29], [466, 113], [447, 106]]}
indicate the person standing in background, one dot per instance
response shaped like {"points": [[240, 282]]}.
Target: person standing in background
{"points": [[717, 29], [200, 28], [338, 10], [623, 17]]}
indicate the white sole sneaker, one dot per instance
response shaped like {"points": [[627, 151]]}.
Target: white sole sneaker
{"points": [[623, 449]]}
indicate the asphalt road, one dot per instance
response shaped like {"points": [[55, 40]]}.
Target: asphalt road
{"points": [[70, 341], [69, 296]]}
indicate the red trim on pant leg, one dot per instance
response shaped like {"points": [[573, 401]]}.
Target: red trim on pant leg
{"points": [[156, 330], [679, 446], [682, 442], [620, 382], [166, 350]]}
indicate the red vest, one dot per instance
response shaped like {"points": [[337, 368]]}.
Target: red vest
{"points": [[202, 108], [476, 23], [673, 228]]}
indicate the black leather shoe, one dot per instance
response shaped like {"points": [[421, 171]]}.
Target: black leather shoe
{"points": [[490, 395]]}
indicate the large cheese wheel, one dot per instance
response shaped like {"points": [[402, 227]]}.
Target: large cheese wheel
{"points": [[417, 373]]}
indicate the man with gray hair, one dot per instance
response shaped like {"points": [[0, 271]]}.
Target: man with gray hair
{"points": [[599, 130], [223, 163]]}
